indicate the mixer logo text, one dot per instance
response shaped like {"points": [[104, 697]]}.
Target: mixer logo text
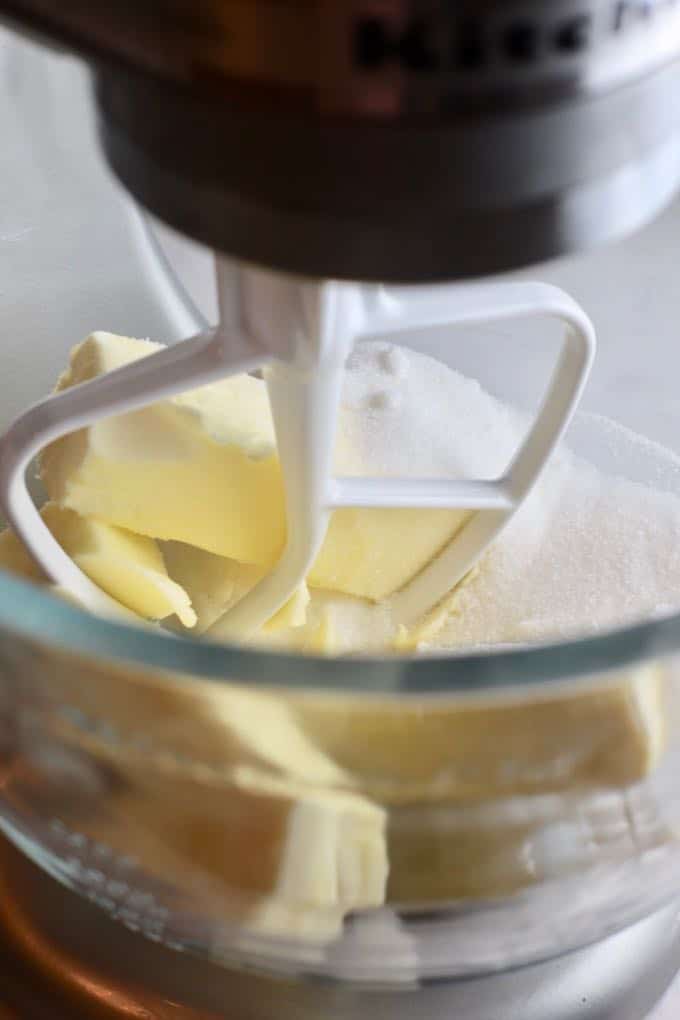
{"points": [[427, 45]]}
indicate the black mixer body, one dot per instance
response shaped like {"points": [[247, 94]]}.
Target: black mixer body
{"points": [[393, 140]]}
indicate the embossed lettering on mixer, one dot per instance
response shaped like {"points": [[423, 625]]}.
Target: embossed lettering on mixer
{"points": [[424, 46]]}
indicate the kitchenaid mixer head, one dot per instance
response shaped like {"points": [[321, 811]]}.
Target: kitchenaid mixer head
{"points": [[390, 140]]}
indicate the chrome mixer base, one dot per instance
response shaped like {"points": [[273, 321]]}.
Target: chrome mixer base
{"points": [[62, 959]]}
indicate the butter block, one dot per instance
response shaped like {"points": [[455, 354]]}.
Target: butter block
{"points": [[477, 795], [401, 751], [224, 727], [371, 553], [277, 857], [127, 567], [225, 796], [291, 854], [410, 750], [290, 849], [313, 621], [496, 848], [215, 584], [202, 469], [335, 853]]}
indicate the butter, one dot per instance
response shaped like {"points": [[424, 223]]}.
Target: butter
{"points": [[282, 857], [127, 567], [298, 859], [278, 859], [371, 553], [202, 469], [313, 621], [496, 848], [401, 751], [215, 584], [278, 801]]}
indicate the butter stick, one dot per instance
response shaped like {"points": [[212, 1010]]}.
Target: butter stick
{"points": [[395, 751], [130, 568], [410, 749]]}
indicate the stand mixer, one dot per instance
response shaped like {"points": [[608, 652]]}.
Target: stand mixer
{"points": [[385, 128]]}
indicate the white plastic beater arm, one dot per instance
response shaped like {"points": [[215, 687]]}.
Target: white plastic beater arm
{"points": [[426, 492], [393, 310], [305, 401], [304, 394]]}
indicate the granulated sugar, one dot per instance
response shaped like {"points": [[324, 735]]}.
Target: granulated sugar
{"points": [[407, 414], [586, 551]]}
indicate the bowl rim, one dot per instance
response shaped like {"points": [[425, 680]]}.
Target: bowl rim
{"points": [[34, 615]]}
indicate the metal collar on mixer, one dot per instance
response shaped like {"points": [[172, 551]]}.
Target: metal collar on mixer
{"points": [[408, 142]]}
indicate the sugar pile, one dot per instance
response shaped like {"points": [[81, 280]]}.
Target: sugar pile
{"points": [[586, 551], [406, 413]]}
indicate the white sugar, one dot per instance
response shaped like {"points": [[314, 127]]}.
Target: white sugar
{"points": [[587, 551], [405, 413]]}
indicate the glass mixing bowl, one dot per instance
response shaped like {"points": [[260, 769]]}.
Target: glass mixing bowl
{"points": [[368, 819], [470, 813]]}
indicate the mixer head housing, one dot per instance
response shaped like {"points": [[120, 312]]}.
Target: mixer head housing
{"points": [[395, 140]]}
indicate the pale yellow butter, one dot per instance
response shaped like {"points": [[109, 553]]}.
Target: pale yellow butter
{"points": [[402, 751], [215, 584], [282, 856], [202, 469], [127, 567], [284, 798], [280, 799]]}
